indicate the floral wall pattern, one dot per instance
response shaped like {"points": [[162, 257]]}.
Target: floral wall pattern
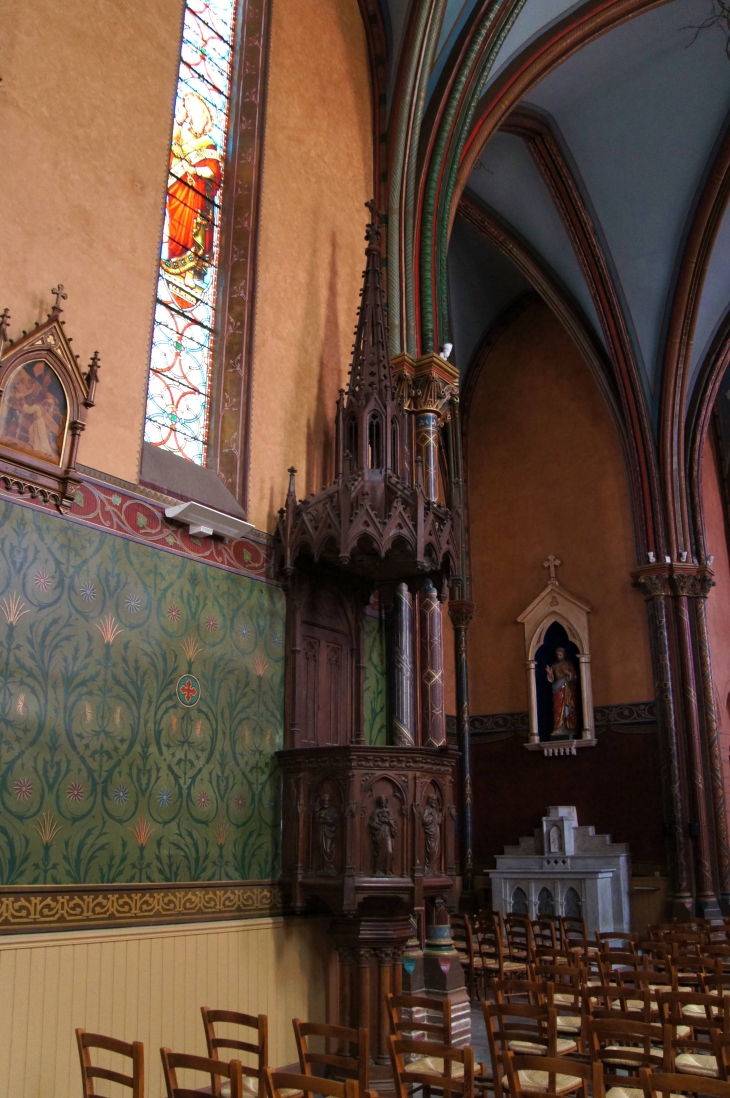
{"points": [[374, 688], [141, 703]]}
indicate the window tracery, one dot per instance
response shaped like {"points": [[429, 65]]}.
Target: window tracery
{"points": [[178, 401]]}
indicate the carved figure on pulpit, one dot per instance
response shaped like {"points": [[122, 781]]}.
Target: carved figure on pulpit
{"points": [[383, 830], [563, 678], [326, 818], [432, 818]]}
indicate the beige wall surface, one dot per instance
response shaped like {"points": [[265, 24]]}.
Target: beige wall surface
{"points": [[545, 474], [148, 984], [718, 603], [85, 113], [317, 176]]}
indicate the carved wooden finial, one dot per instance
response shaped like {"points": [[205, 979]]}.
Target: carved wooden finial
{"points": [[4, 325], [60, 296], [552, 563], [92, 378]]}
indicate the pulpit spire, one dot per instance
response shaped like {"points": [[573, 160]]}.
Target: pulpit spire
{"points": [[371, 369]]}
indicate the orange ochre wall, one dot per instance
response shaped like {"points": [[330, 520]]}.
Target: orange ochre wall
{"points": [[545, 474], [718, 603], [85, 113], [317, 177]]}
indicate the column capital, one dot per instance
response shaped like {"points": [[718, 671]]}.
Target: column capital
{"points": [[426, 384], [678, 579], [461, 611]]}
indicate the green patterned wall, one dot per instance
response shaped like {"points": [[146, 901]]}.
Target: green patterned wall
{"points": [[141, 701], [374, 692]]}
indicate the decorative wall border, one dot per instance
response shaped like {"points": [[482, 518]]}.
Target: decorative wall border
{"points": [[490, 726], [130, 514], [34, 909]]}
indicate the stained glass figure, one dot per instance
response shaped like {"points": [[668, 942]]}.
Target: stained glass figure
{"points": [[34, 412], [182, 341]]}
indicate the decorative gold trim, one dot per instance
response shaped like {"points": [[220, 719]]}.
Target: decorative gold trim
{"points": [[31, 908]]}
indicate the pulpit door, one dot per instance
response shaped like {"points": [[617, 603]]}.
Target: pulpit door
{"points": [[326, 685]]}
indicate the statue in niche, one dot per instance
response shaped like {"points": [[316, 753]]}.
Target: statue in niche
{"points": [[432, 818], [383, 830], [555, 843], [563, 678], [326, 818]]}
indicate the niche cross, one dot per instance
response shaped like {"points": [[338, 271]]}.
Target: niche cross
{"points": [[552, 563], [60, 296]]}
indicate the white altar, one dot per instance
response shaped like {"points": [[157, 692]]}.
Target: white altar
{"points": [[565, 869]]}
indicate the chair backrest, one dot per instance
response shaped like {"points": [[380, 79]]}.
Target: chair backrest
{"points": [[507, 1023], [410, 1015], [621, 1045], [353, 1064], [507, 990], [571, 926], [216, 1069], [89, 1072], [546, 932], [616, 939], [257, 1048], [615, 1001], [447, 1081], [559, 1071], [278, 1081], [664, 1083], [518, 930]]}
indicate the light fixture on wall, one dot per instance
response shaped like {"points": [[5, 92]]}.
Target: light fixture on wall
{"points": [[204, 522]]}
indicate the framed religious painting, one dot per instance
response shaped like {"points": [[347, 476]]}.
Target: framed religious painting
{"points": [[44, 397]]}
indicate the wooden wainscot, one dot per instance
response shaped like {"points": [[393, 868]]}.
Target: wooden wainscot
{"points": [[44, 398]]}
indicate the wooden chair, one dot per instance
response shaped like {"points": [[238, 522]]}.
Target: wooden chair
{"points": [[408, 1016], [528, 1075], [563, 984], [456, 1074], [281, 1083], [613, 963], [615, 1001], [216, 1069], [685, 941], [495, 964], [135, 1052], [625, 942], [623, 1047], [462, 936], [524, 1030], [518, 931], [517, 990], [663, 1084], [353, 1064], [685, 1050], [689, 969], [253, 1080], [572, 927], [546, 932]]}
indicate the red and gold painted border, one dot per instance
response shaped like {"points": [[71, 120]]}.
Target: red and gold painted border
{"points": [[34, 909], [123, 512]]}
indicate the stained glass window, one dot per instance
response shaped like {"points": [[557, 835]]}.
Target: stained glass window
{"points": [[182, 340]]}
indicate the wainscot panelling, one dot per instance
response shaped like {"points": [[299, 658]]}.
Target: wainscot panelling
{"points": [[148, 984]]}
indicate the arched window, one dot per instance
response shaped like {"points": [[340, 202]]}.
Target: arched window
{"points": [[394, 438], [351, 438], [519, 902], [178, 398], [375, 442]]}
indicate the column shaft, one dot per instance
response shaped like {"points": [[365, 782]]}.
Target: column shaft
{"points": [[433, 719], [404, 694], [712, 725], [460, 612], [427, 449]]}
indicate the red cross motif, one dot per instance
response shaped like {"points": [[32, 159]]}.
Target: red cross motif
{"points": [[188, 691]]}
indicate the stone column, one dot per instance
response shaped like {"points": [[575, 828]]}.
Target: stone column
{"points": [[347, 969], [385, 985], [653, 582], [461, 613], [712, 726], [433, 718], [404, 692], [684, 585]]}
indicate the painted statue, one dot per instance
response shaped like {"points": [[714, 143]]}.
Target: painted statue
{"points": [[563, 677], [383, 830], [195, 177], [432, 817], [326, 817]]}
